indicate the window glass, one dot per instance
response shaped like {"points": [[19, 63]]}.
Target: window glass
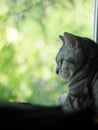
{"points": [[29, 43]]}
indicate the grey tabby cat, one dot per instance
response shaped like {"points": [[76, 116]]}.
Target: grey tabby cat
{"points": [[77, 62]]}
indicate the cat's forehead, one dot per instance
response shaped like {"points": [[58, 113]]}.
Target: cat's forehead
{"points": [[64, 52], [59, 54]]}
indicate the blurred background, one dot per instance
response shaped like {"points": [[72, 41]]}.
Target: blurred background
{"points": [[29, 43]]}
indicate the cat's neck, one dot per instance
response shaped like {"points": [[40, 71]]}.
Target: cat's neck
{"points": [[81, 81]]}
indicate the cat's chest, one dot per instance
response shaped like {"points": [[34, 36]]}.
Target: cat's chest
{"points": [[95, 89]]}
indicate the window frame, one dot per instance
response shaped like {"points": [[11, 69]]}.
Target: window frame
{"points": [[95, 25]]}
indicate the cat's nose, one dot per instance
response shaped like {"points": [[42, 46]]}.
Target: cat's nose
{"points": [[57, 71]]}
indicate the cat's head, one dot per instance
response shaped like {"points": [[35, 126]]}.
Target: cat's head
{"points": [[71, 55]]}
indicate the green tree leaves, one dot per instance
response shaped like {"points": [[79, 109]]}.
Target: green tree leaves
{"points": [[29, 43]]}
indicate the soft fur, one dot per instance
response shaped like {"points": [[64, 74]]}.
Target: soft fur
{"points": [[77, 62]]}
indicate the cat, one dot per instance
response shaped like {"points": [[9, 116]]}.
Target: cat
{"points": [[77, 62]]}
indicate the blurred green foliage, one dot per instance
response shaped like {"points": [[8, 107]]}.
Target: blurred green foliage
{"points": [[29, 43]]}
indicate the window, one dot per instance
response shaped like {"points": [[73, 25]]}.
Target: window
{"points": [[29, 42]]}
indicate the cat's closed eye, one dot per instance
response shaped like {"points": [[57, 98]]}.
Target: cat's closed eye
{"points": [[62, 61], [69, 61]]}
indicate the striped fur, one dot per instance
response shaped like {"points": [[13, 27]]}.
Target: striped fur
{"points": [[77, 62]]}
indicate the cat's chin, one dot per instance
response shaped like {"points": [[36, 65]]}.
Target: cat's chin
{"points": [[65, 78]]}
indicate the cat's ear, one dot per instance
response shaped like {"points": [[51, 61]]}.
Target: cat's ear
{"points": [[71, 39], [62, 38]]}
